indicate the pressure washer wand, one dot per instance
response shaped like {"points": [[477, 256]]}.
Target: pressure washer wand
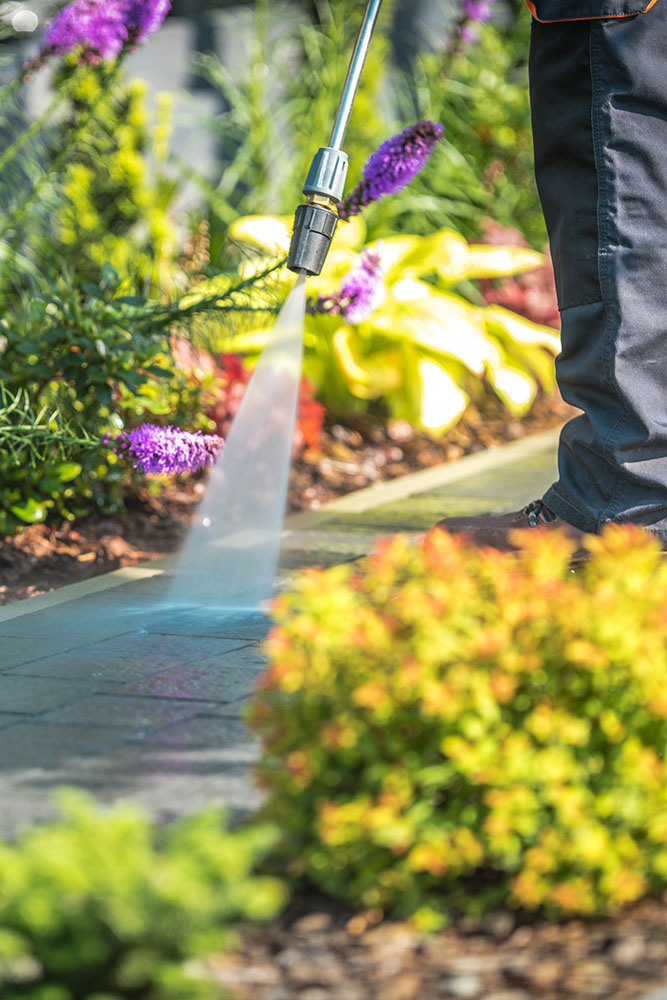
{"points": [[315, 222]]}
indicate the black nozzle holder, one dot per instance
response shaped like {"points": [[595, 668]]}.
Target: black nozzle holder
{"points": [[314, 228]]}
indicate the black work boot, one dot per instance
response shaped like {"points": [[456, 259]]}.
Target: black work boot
{"points": [[494, 530]]}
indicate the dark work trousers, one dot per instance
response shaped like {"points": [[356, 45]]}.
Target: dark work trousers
{"points": [[599, 105]]}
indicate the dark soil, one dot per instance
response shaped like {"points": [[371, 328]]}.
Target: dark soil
{"points": [[348, 457], [326, 954]]}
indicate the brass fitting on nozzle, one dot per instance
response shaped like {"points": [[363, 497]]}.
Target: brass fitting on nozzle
{"points": [[315, 222]]}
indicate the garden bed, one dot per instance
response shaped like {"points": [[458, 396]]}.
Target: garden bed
{"points": [[349, 457], [322, 953]]}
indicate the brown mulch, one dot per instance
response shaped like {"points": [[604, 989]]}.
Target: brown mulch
{"points": [[349, 457], [329, 955]]}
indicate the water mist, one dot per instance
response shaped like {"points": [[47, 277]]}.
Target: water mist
{"points": [[231, 552]]}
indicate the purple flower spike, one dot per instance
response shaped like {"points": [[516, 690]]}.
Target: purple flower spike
{"points": [[167, 451], [143, 17], [393, 166], [477, 10], [362, 290], [97, 26], [103, 28]]}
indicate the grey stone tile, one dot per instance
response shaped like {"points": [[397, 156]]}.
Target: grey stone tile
{"points": [[14, 650], [125, 657], [221, 623], [299, 559], [34, 694], [412, 514], [250, 659], [203, 732], [130, 712], [212, 679], [11, 718], [505, 487], [18, 642], [32, 744]]}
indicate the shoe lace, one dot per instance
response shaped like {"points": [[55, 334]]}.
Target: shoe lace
{"points": [[536, 511]]}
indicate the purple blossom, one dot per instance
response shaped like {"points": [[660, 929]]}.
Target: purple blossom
{"points": [[361, 292], [167, 451], [393, 166], [143, 17], [103, 28], [94, 25], [477, 10]]}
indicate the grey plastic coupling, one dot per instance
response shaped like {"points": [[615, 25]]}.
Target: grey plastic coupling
{"points": [[327, 174], [314, 228]]}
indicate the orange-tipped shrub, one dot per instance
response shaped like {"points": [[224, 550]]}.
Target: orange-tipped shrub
{"points": [[451, 730]]}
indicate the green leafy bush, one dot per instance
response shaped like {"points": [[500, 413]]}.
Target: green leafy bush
{"points": [[93, 359], [101, 906], [450, 730]]}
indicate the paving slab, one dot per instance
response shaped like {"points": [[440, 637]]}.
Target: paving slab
{"points": [[104, 688]]}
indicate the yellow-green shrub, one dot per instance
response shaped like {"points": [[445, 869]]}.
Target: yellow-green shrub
{"points": [[451, 730], [102, 906]]}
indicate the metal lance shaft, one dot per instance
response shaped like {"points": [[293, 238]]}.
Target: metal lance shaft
{"points": [[315, 222]]}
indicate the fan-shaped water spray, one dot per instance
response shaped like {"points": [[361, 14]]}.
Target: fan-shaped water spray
{"points": [[231, 552]]}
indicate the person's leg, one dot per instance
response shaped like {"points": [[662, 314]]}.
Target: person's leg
{"points": [[599, 98], [599, 103]]}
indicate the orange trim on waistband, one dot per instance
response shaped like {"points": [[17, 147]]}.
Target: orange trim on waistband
{"points": [[531, 7]]}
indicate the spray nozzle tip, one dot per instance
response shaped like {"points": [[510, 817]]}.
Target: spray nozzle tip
{"points": [[314, 228]]}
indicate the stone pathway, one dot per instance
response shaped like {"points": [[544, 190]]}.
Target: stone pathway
{"points": [[99, 693]]}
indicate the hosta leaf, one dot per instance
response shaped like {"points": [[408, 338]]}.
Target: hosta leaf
{"points": [[265, 232], [439, 322], [350, 235], [515, 388], [368, 376], [485, 261], [442, 400], [534, 359], [393, 252], [510, 326], [445, 252]]}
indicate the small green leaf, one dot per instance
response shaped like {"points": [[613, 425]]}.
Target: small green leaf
{"points": [[67, 471], [31, 511]]}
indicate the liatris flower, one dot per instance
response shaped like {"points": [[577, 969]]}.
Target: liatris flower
{"points": [[102, 28], [360, 293], [167, 451], [393, 166], [143, 17], [477, 10], [362, 290], [97, 26]]}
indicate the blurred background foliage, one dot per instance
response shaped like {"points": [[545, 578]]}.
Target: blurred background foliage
{"points": [[105, 217]]}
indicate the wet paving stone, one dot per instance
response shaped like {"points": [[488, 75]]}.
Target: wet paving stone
{"points": [[127, 657], [210, 680], [33, 694], [216, 623], [31, 744], [130, 712]]}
